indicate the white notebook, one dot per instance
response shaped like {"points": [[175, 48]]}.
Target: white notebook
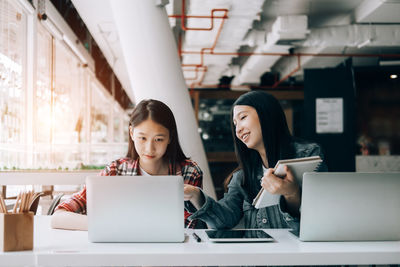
{"points": [[298, 167]]}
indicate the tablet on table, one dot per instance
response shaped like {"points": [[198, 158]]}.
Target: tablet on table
{"points": [[246, 235]]}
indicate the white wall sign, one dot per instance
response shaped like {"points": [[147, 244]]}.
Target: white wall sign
{"points": [[329, 115]]}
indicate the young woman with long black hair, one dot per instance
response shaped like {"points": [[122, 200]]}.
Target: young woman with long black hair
{"points": [[261, 138]]}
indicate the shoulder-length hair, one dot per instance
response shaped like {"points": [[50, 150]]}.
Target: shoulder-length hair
{"points": [[161, 114], [275, 134]]}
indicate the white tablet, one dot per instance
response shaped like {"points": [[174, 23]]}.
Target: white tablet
{"points": [[247, 235]]}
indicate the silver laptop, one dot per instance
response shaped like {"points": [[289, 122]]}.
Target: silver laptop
{"points": [[135, 208], [350, 207]]}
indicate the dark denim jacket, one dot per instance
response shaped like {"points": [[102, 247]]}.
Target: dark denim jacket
{"points": [[227, 212]]}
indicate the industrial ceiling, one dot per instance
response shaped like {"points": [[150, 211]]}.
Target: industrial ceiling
{"points": [[242, 40]]}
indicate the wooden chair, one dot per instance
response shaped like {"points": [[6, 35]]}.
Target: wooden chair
{"points": [[54, 204], [35, 203]]}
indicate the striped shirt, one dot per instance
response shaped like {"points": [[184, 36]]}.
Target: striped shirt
{"points": [[190, 171]]}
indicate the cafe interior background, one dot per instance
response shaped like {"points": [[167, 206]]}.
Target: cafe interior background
{"points": [[66, 88]]}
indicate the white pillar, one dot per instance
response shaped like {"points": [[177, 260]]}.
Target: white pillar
{"points": [[154, 69]]}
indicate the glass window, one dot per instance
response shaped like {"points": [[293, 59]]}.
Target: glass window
{"points": [[42, 102], [118, 123], [126, 119], [68, 97], [99, 127], [68, 109], [12, 94], [100, 110]]}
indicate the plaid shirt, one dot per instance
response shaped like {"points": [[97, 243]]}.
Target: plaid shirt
{"points": [[125, 166]]}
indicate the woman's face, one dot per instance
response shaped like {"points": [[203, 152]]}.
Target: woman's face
{"points": [[151, 140], [247, 126]]}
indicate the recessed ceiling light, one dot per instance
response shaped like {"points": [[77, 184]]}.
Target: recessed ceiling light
{"points": [[393, 76]]}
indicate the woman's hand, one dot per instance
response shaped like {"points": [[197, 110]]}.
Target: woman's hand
{"points": [[286, 186], [62, 219], [192, 193]]}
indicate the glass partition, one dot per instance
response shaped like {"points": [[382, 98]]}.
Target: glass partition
{"points": [[43, 99], [12, 93], [100, 109], [76, 122]]}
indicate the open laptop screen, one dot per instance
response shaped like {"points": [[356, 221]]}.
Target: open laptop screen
{"points": [[350, 207], [135, 208]]}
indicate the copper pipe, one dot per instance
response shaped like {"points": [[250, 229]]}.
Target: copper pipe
{"points": [[298, 55], [202, 51], [197, 17], [201, 29], [201, 78], [211, 49], [289, 55], [196, 70]]}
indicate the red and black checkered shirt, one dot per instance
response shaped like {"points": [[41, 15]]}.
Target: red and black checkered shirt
{"points": [[125, 166]]}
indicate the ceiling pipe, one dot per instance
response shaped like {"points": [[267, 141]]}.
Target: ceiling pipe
{"points": [[196, 17], [202, 51], [196, 70], [289, 55], [201, 29], [182, 16], [298, 55]]}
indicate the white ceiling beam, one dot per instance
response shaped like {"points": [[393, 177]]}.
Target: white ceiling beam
{"points": [[257, 65], [66, 34], [333, 40], [289, 64], [354, 36], [378, 11], [285, 28], [366, 8], [102, 28]]}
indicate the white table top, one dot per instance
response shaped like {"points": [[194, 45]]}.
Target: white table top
{"points": [[72, 248]]}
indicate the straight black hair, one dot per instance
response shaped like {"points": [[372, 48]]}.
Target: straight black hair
{"points": [[161, 114], [275, 134]]}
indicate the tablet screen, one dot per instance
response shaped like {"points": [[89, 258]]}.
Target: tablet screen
{"points": [[238, 236]]}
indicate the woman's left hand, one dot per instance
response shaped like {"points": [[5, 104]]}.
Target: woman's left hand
{"points": [[286, 186]]}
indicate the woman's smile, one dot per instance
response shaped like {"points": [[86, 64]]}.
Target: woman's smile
{"points": [[245, 137]]}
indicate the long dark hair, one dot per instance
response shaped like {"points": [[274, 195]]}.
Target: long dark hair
{"points": [[161, 114], [275, 133]]}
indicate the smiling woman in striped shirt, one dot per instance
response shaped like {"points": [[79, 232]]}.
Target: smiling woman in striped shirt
{"points": [[154, 149]]}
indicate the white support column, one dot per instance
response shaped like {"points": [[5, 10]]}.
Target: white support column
{"points": [[154, 70]]}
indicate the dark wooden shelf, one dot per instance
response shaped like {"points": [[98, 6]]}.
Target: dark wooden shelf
{"points": [[221, 157], [233, 94]]}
